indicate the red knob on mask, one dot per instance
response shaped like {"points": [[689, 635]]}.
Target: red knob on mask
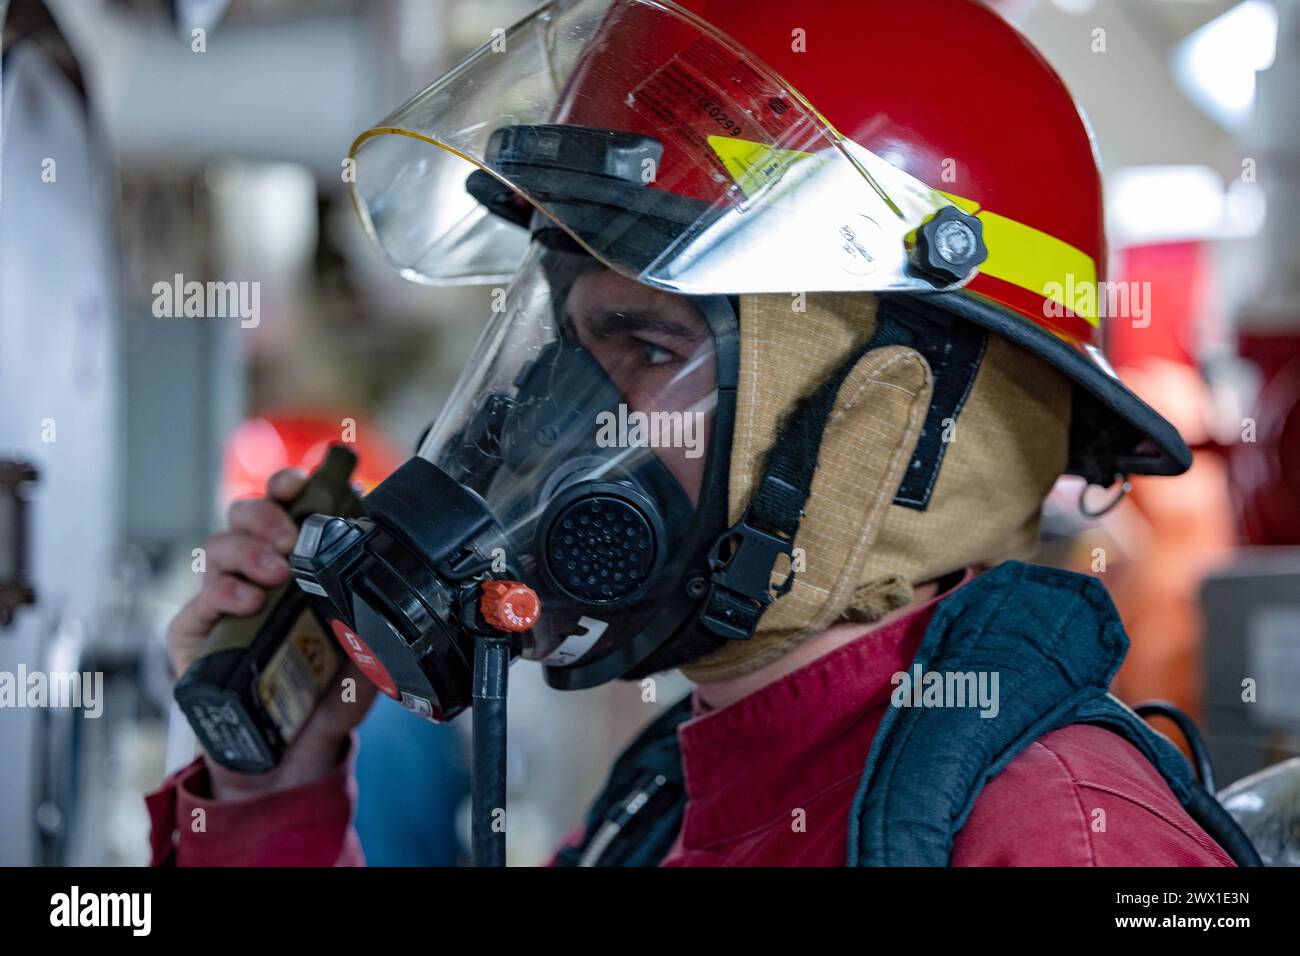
{"points": [[509, 605]]}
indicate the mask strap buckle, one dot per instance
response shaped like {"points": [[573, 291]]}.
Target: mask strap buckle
{"points": [[741, 585]]}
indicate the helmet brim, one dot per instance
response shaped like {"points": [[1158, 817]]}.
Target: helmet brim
{"points": [[1113, 433]]}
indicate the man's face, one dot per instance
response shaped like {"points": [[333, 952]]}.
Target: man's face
{"points": [[657, 350]]}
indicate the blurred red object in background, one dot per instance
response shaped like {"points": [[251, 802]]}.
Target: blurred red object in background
{"points": [[1265, 472], [261, 446]]}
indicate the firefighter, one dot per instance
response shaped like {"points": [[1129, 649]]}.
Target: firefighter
{"points": [[847, 255]]}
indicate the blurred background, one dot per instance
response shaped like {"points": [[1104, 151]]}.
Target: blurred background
{"points": [[123, 435]]}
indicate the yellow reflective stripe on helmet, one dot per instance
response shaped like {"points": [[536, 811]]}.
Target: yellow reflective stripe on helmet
{"points": [[1037, 262], [1033, 260], [968, 206], [1018, 254]]}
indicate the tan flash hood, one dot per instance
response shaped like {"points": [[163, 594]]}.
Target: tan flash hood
{"points": [[858, 554]]}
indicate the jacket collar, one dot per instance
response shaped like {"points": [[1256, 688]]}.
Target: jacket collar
{"points": [[753, 762]]}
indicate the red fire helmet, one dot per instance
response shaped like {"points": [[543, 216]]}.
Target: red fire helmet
{"points": [[715, 146]]}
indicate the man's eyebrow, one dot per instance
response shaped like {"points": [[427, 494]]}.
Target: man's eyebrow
{"points": [[609, 323]]}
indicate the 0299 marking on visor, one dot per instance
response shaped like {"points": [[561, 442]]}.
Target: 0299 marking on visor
{"points": [[707, 84]]}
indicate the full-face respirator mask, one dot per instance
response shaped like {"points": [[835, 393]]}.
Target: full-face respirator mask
{"points": [[572, 459], [562, 509]]}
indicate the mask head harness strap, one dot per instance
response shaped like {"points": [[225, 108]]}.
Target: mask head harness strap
{"points": [[744, 557]]}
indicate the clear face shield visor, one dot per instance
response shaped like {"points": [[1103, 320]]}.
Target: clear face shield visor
{"points": [[664, 150]]}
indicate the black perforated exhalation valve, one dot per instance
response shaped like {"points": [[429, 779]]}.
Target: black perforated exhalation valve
{"points": [[600, 548], [950, 246]]}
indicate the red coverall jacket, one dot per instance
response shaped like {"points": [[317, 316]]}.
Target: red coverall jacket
{"points": [[798, 744]]}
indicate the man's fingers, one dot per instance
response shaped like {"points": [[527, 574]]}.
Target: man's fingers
{"points": [[263, 518], [285, 484], [243, 553], [222, 594], [227, 594]]}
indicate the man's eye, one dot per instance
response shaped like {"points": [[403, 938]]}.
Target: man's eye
{"points": [[654, 354]]}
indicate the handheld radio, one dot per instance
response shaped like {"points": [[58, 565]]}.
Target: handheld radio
{"points": [[257, 678]]}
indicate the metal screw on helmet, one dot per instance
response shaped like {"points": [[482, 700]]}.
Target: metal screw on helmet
{"points": [[950, 246]]}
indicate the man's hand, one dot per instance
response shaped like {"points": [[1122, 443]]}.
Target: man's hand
{"points": [[241, 564]]}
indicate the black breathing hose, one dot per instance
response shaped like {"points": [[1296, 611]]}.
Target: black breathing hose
{"points": [[1204, 808], [1200, 753], [488, 774]]}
